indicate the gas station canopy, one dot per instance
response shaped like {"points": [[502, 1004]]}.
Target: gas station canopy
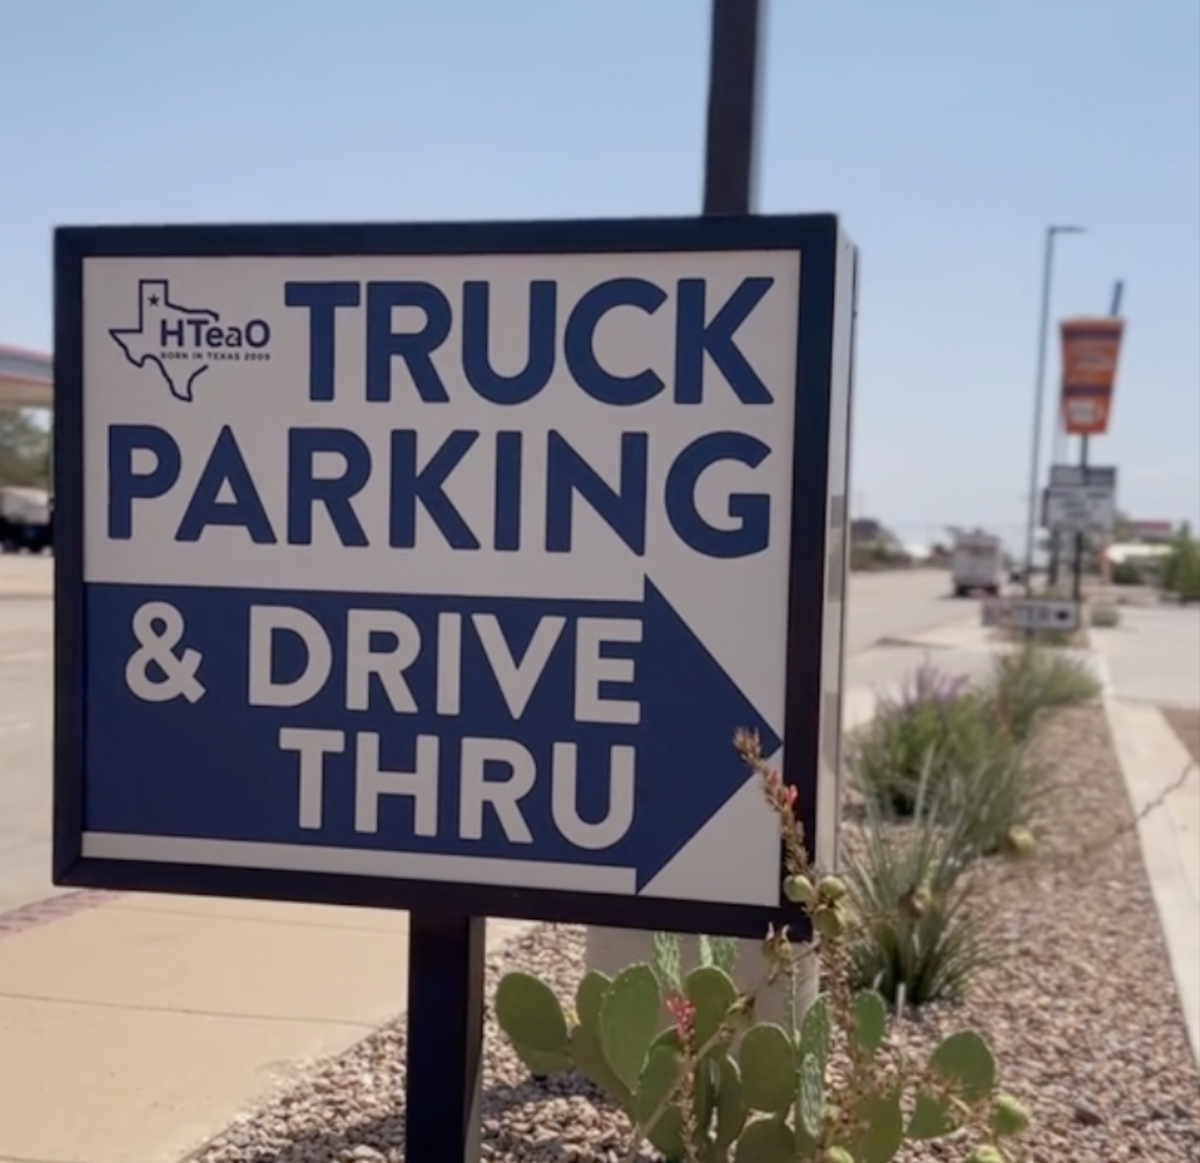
{"points": [[26, 379]]}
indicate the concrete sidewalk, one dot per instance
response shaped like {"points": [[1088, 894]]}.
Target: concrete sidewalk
{"points": [[1152, 760], [23, 575], [134, 1030]]}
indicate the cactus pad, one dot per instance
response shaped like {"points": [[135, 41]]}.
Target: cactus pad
{"points": [[812, 1095], [656, 1083], [768, 1062], [963, 1060], [730, 1104], [542, 1063], [591, 1063], [529, 1013], [870, 1021], [589, 997], [712, 992], [881, 1132], [628, 1022], [765, 1141], [814, 1031]]}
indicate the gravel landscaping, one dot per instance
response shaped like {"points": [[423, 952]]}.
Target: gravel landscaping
{"points": [[1082, 1012]]}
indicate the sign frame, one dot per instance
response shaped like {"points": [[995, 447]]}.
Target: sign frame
{"points": [[817, 551]]}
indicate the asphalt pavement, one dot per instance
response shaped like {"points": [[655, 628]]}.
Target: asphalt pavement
{"points": [[1153, 655]]}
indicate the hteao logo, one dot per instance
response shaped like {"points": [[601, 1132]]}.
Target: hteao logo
{"points": [[182, 342]]}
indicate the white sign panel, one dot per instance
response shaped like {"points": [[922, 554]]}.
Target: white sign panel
{"points": [[449, 560], [1031, 614], [1081, 509]]}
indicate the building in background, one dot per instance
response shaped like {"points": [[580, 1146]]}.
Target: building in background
{"points": [[26, 379], [1149, 532]]}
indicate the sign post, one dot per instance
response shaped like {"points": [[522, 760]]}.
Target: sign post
{"points": [[434, 567], [1090, 350]]}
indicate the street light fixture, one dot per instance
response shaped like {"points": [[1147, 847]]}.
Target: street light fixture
{"points": [[1052, 233]]}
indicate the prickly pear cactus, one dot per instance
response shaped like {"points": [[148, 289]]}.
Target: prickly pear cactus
{"points": [[758, 1093]]}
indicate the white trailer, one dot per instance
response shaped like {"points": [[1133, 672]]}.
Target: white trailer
{"points": [[977, 564]]}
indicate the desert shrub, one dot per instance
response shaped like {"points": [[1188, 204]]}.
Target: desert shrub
{"points": [[1029, 681], [985, 798], [1181, 574], [1104, 615], [934, 728], [916, 938], [1126, 573]]}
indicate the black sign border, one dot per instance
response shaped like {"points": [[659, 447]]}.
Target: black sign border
{"points": [[816, 237]]}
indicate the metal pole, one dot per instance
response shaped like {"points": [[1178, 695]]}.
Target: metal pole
{"points": [[1081, 538], [1077, 589], [1039, 395], [1039, 398], [731, 146]]}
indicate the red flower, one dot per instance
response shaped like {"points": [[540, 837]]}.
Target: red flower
{"points": [[790, 795], [773, 778], [683, 1014]]}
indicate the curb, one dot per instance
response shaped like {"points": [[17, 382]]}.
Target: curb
{"points": [[1146, 745]]}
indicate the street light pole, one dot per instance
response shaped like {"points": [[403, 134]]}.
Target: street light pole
{"points": [[1052, 232]]}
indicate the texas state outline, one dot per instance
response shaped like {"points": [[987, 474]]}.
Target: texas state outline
{"points": [[125, 336]]}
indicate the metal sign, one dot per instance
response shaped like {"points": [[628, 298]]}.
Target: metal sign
{"points": [[437, 565], [1081, 499], [1074, 476], [1080, 510], [1031, 614], [1090, 350]]}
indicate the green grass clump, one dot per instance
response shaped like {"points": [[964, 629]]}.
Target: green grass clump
{"points": [[917, 940], [1029, 681], [921, 735], [947, 778]]}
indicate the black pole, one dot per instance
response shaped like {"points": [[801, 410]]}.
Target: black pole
{"points": [[445, 1037], [1080, 537], [731, 144]]}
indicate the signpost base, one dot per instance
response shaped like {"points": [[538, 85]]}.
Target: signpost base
{"points": [[445, 1037]]}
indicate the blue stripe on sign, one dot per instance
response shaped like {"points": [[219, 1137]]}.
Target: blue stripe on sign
{"points": [[563, 733]]}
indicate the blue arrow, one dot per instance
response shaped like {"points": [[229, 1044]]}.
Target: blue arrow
{"points": [[687, 766], [214, 769]]}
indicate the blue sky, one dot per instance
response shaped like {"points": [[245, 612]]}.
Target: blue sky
{"points": [[947, 134]]}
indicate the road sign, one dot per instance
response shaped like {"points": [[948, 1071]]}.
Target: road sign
{"points": [[1074, 476], [1031, 614], [1090, 350], [437, 565], [1081, 509]]}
